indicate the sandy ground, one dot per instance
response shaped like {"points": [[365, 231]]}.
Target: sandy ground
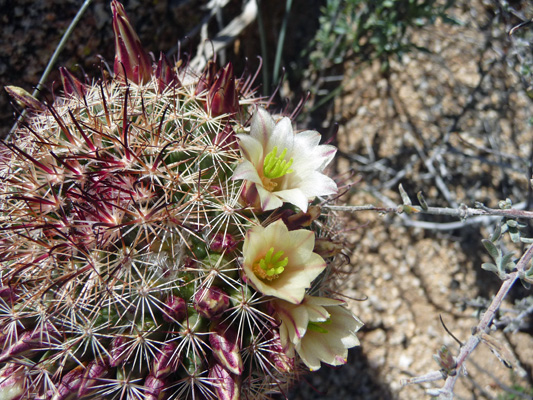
{"points": [[452, 123]]}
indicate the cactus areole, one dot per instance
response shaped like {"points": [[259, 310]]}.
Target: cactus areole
{"points": [[145, 248]]}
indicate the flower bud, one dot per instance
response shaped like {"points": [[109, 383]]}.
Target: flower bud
{"points": [[12, 383], [277, 356], [225, 347], [118, 351], [207, 78], [154, 388], [24, 99], [223, 243], [29, 342], [166, 361], [131, 61], [71, 85], [175, 309], [226, 386], [327, 247], [211, 302], [226, 138], [94, 371], [70, 383], [223, 97], [165, 74]]}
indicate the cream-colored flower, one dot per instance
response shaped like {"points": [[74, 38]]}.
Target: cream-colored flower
{"points": [[284, 166], [280, 262], [319, 329]]}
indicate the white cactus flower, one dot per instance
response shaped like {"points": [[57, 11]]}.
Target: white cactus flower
{"points": [[284, 166], [319, 329], [279, 262]]}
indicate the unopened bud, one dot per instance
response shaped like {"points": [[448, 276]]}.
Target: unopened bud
{"points": [[94, 371], [175, 309], [12, 383], [165, 74], [166, 361], [71, 85], [70, 383], [226, 348], [118, 351], [131, 61], [223, 243], [154, 388], [207, 78], [226, 386], [211, 302], [279, 358], [24, 99], [226, 138], [223, 97], [29, 342], [327, 247]]}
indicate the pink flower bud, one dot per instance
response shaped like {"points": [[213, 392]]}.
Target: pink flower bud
{"points": [[154, 388], [94, 371], [131, 61], [175, 309], [223, 243], [226, 386], [225, 347], [24, 99], [70, 383], [29, 342], [165, 74], [71, 85], [207, 78], [277, 356], [166, 361], [226, 138], [211, 302], [118, 351], [223, 97], [12, 383]]}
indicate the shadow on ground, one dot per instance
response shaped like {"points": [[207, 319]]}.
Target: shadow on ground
{"points": [[358, 381]]}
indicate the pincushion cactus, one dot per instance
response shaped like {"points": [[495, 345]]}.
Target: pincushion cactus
{"points": [[151, 249]]}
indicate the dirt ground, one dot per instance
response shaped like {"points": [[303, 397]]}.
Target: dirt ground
{"points": [[452, 123]]}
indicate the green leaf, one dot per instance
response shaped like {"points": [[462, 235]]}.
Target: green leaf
{"points": [[496, 234], [490, 267], [494, 252], [506, 262]]}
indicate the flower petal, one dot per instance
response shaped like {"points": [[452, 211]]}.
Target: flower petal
{"points": [[262, 126], [294, 196], [246, 170], [251, 148], [269, 200]]}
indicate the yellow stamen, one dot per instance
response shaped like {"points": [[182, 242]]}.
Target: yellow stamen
{"points": [[270, 266]]}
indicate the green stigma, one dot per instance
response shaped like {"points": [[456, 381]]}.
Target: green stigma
{"points": [[318, 326], [275, 166], [270, 266]]}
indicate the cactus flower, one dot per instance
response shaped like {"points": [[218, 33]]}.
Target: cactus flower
{"points": [[319, 329], [279, 262], [284, 166]]}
